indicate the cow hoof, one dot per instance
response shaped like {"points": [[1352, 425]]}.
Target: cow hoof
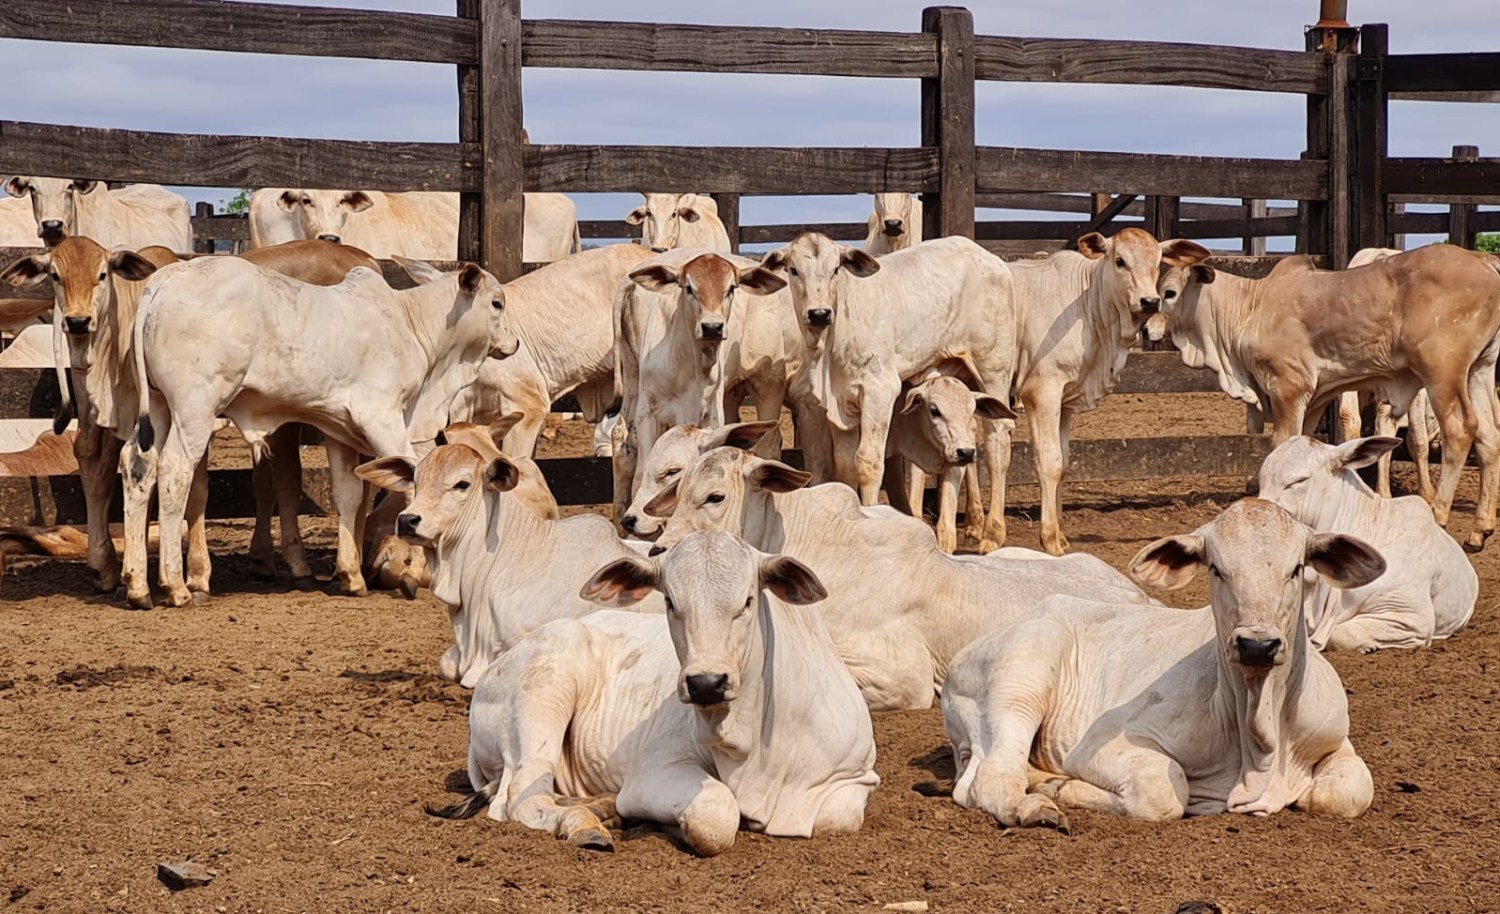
{"points": [[176, 599], [987, 546], [409, 586], [1040, 812], [139, 601], [264, 573], [1475, 542], [592, 839], [305, 583], [933, 788], [199, 597], [107, 583]]}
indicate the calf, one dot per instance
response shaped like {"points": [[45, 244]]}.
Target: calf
{"points": [[1428, 591], [676, 450], [134, 216], [670, 221], [895, 225], [1153, 713], [577, 728]]}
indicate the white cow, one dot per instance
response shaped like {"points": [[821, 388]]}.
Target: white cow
{"points": [[895, 225], [1429, 590], [670, 221], [676, 450], [134, 216], [17, 224], [1153, 713], [502, 568], [1080, 312], [900, 609], [372, 368], [419, 225], [870, 325], [932, 434], [737, 713]]}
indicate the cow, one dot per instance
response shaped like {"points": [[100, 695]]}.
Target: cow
{"points": [[676, 450], [1153, 713], [734, 713], [869, 325], [1080, 312], [17, 224], [895, 225], [1295, 340], [134, 216], [670, 221], [900, 608], [502, 568], [1429, 588], [372, 368], [932, 435]]}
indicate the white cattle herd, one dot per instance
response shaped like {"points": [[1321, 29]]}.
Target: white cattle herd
{"points": [[794, 601]]}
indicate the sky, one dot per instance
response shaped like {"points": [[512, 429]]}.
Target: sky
{"points": [[212, 92]]}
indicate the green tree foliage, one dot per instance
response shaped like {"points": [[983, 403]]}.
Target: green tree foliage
{"points": [[1489, 242], [237, 206]]}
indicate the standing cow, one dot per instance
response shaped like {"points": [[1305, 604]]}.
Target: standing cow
{"points": [[134, 216], [895, 225]]}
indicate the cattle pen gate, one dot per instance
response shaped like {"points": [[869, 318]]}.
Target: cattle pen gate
{"points": [[1348, 191]]}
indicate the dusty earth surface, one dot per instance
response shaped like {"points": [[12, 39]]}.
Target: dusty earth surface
{"points": [[288, 741]]}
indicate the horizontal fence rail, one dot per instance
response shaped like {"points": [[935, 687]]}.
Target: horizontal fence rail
{"points": [[1003, 169], [1148, 63]]}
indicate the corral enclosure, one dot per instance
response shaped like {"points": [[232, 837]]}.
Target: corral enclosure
{"points": [[289, 740]]}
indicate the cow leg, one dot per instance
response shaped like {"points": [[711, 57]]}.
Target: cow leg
{"points": [[903, 483], [947, 521], [810, 420], [1288, 411], [874, 426], [98, 453], [1399, 619], [1350, 423], [138, 473], [533, 403], [199, 564], [348, 501], [1458, 426], [1255, 420], [974, 513], [1341, 785], [703, 810], [997, 461], [286, 465], [186, 443], [1385, 426], [262, 549], [845, 448], [1419, 444], [1144, 783], [1487, 442], [1044, 408]]}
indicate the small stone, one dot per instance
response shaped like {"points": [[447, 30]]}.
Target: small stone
{"points": [[914, 907], [1199, 907], [184, 875]]}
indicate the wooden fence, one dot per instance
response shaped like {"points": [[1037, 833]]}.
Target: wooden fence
{"points": [[1345, 185]]}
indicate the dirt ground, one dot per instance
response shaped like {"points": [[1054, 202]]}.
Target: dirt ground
{"points": [[288, 741]]}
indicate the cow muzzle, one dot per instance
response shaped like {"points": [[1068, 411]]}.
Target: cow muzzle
{"points": [[78, 326], [893, 227], [506, 349], [50, 230], [711, 330], [707, 689], [1260, 650], [963, 456], [331, 238], [820, 317], [640, 525], [1150, 305], [406, 527]]}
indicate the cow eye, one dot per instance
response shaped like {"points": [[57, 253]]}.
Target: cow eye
{"points": [[748, 600], [103, 274], [55, 277], [936, 413], [1120, 262], [730, 291], [793, 271], [462, 485], [664, 475], [714, 499], [1214, 570], [1297, 572], [1297, 482], [1169, 294], [498, 304], [690, 290], [671, 608]]}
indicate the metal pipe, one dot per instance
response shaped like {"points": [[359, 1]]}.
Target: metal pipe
{"points": [[1333, 14]]}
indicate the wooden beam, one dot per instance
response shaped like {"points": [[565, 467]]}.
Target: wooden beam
{"points": [[502, 206], [721, 169], [234, 161], [219, 226], [948, 123], [258, 28], [1161, 216], [1083, 203], [1004, 169], [1044, 229], [607, 228], [776, 234], [1338, 218], [470, 124], [729, 214], [202, 213], [1148, 63], [1253, 244], [1369, 139], [1253, 229], [1439, 224], [1105, 216], [1443, 73], [1461, 230], [1423, 177]]}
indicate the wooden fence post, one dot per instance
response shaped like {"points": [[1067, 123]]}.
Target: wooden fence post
{"points": [[1325, 224], [470, 205], [1369, 138], [1254, 245], [729, 214], [948, 123], [203, 244], [489, 116], [1161, 216], [1461, 215]]}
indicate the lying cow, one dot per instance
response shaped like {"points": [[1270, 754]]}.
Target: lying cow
{"points": [[895, 225], [868, 325], [670, 221], [1291, 342], [373, 369], [677, 450], [735, 712], [1153, 713], [502, 567], [899, 608], [1429, 589], [134, 216]]}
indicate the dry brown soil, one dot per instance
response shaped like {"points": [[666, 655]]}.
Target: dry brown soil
{"points": [[288, 741]]}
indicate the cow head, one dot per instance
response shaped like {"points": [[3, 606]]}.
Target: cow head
{"points": [[725, 489], [662, 216], [893, 215], [323, 214], [1309, 478], [442, 488], [706, 286], [1181, 289], [946, 408], [812, 263], [80, 271], [1255, 553], [481, 288], [1130, 264], [712, 582], [54, 203], [674, 452]]}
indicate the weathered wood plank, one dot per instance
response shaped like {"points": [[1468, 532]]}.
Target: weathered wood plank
{"points": [[1043, 229], [470, 130], [259, 28], [1438, 223], [775, 234], [1082, 203], [607, 228], [948, 123], [1242, 227], [1163, 373], [1443, 177], [1477, 199], [221, 227], [726, 49], [1148, 63], [234, 161], [1002, 169], [729, 214], [500, 136], [1368, 140], [726, 169], [1467, 73]]}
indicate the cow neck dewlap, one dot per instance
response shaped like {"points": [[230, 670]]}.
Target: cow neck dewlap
{"points": [[452, 360], [733, 734], [1264, 707]]}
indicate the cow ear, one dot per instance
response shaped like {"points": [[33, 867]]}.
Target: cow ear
{"points": [[502, 426], [657, 277], [1093, 245], [742, 435], [1344, 560], [912, 401], [623, 582], [689, 213], [470, 277], [636, 216], [84, 186], [1169, 562], [1361, 452], [775, 476], [858, 262], [357, 200], [17, 186], [501, 475], [774, 260], [130, 265], [760, 281], [1179, 252], [791, 581], [992, 407], [28, 271], [665, 501], [1203, 273], [288, 199], [392, 473]]}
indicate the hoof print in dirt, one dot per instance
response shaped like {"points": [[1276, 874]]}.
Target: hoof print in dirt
{"points": [[185, 875]]}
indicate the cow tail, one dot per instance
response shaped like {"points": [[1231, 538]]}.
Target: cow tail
{"points": [[469, 806], [65, 408], [577, 239], [145, 433]]}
